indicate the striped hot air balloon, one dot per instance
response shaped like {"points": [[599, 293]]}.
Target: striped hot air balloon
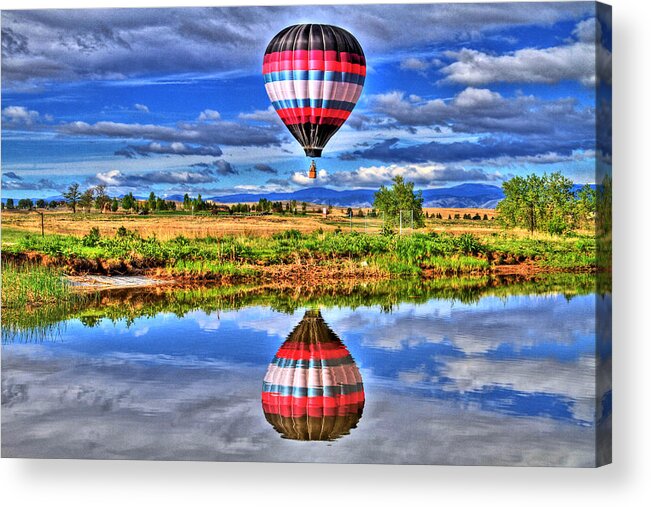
{"points": [[314, 75], [313, 389]]}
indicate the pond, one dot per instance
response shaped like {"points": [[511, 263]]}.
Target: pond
{"points": [[473, 373]]}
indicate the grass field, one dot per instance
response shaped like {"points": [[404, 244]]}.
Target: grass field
{"points": [[168, 225]]}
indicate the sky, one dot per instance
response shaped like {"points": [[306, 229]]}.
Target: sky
{"points": [[173, 100]]}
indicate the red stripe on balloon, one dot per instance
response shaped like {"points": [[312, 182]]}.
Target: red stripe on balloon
{"points": [[312, 346], [316, 115], [323, 65], [314, 60], [341, 56], [306, 354], [319, 406]]}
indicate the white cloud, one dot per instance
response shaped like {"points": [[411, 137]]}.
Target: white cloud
{"points": [[208, 134], [116, 178], [209, 115], [19, 115], [572, 61], [549, 65], [268, 115], [574, 380], [426, 174], [301, 178], [587, 30], [141, 107], [419, 65], [477, 97]]}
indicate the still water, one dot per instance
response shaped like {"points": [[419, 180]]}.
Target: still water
{"points": [[502, 379]]}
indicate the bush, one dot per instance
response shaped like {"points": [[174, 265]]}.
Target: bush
{"points": [[387, 230], [92, 238], [469, 244], [288, 234]]}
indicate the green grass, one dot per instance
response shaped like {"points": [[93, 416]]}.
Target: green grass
{"points": [[244, 255], [29, 284], [11, 235]]}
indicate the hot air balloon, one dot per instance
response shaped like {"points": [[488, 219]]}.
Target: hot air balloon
{"points": [[314, 75], [313, 389]]}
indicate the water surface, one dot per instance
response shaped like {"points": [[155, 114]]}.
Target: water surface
{"points": [[504, 378]]}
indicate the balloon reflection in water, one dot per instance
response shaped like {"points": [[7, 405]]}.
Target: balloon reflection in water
{"points": [[313, 389]]}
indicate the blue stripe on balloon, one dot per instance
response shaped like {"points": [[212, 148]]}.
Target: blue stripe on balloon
{"points": [[311, 392], [283, 362], [314, 75]]}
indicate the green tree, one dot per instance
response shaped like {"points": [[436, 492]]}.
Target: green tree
{"points": [[128, 202], [115, 204], [25, 204], [161, 204], [264, 205], [152, 201], [187, 202], [87, 199], [539, 203], [72, 196], [198, 203], [101, 198], [561, 204], [586, 204], [40, 203], [523, 203], [400, 197], [10, 203]]}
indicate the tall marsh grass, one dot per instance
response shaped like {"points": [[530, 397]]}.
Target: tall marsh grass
{"points": [[29, 284]]}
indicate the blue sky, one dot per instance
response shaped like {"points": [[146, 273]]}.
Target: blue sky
{"points": [[172, 100]]}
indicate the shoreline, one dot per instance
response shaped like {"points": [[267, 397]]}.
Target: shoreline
{"points": [[93, 273]]}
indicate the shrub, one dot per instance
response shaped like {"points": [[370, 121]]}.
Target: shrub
{"points": [[92, 238], [288, 234], [387, 230]]}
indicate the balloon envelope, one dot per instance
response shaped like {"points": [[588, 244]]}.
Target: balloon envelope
{"points": [[314, 75], [313, 389]]}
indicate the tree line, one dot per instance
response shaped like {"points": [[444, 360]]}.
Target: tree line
{"points": [[547, 203]]}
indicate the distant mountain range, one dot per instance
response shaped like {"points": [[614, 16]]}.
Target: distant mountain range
{"points": [[467, 195]]}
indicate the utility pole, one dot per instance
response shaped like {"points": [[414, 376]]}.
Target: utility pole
{"points": [[42, 223], [350, 216]]}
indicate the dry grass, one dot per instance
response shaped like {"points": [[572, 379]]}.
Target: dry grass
{"points": [[165, 226], [162, 226]]}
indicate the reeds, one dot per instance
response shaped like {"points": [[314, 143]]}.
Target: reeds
{"points": [[28, 284]]}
